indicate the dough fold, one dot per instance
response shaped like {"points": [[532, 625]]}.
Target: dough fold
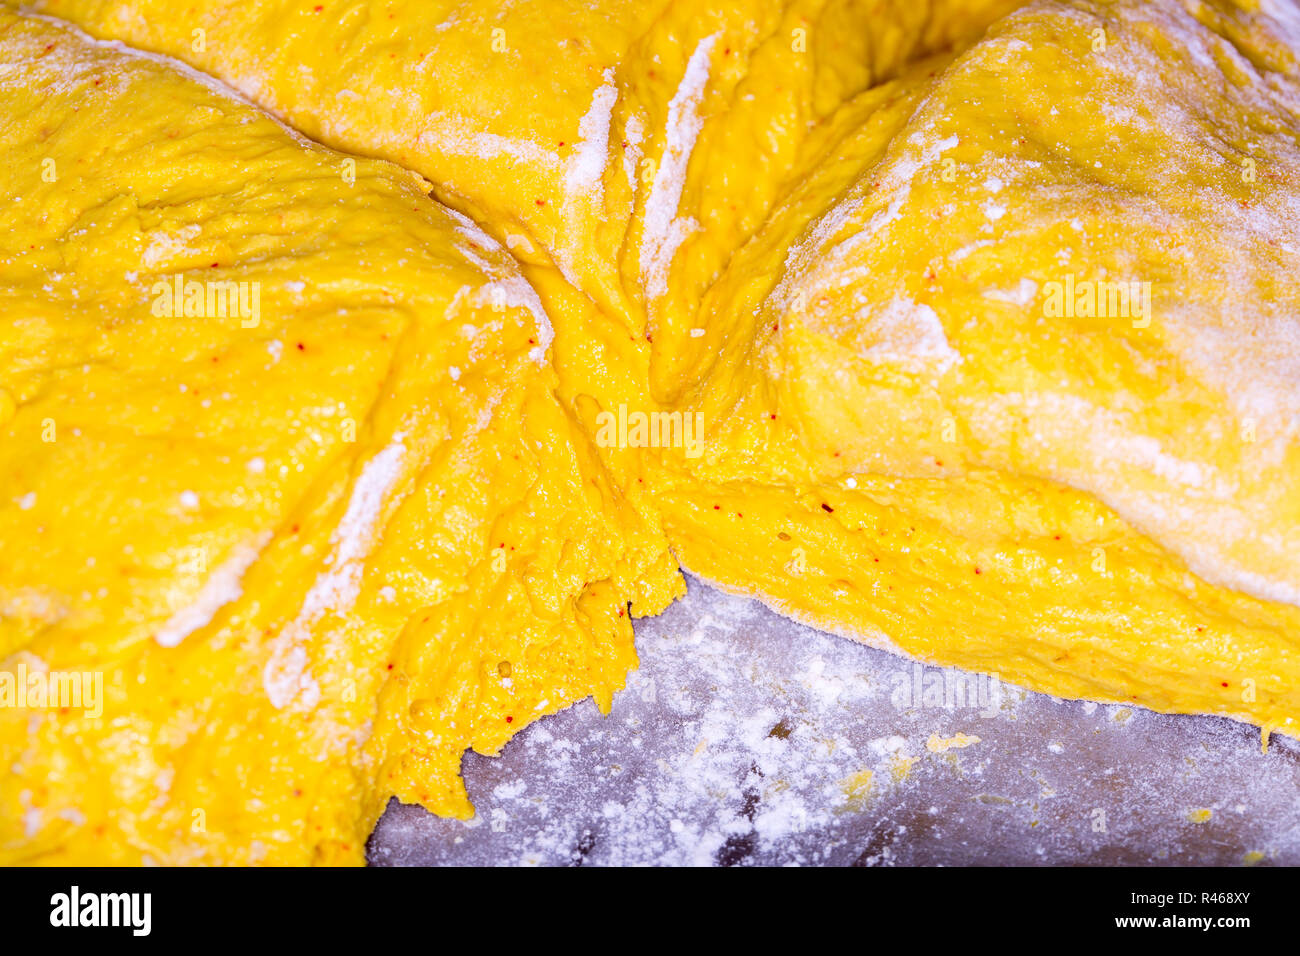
{"points": [[981, 319], [284, 473]]}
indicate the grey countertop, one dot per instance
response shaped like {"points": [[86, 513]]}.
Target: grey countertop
{"points": [[747, 739]]}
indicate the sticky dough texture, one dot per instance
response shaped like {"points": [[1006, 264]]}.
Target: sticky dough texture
{"points": [[830, 230], [299, 553]]}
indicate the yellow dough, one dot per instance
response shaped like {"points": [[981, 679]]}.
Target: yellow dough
{"points": [[315, 551], [913, 441], [988, 315]]}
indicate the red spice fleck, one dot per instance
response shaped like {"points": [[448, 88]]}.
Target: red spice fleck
{"points": [[541, 202], [1225, 683], [977, 570], [827, 508], [301, 347], [717, 507], [510, 720]]}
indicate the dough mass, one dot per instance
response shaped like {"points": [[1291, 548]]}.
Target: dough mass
{"points": [[986, 313]]}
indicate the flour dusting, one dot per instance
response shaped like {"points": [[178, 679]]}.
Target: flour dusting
{"points": [[664, 230], [222, 587], [746, 739], [285, 677]]}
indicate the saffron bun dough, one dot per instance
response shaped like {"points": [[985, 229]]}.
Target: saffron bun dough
{"points": [[315, 552], [958, 466], [596, 139], [842, 235]]}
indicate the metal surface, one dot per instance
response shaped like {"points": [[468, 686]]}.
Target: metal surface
{"points": [[747, 739]]}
